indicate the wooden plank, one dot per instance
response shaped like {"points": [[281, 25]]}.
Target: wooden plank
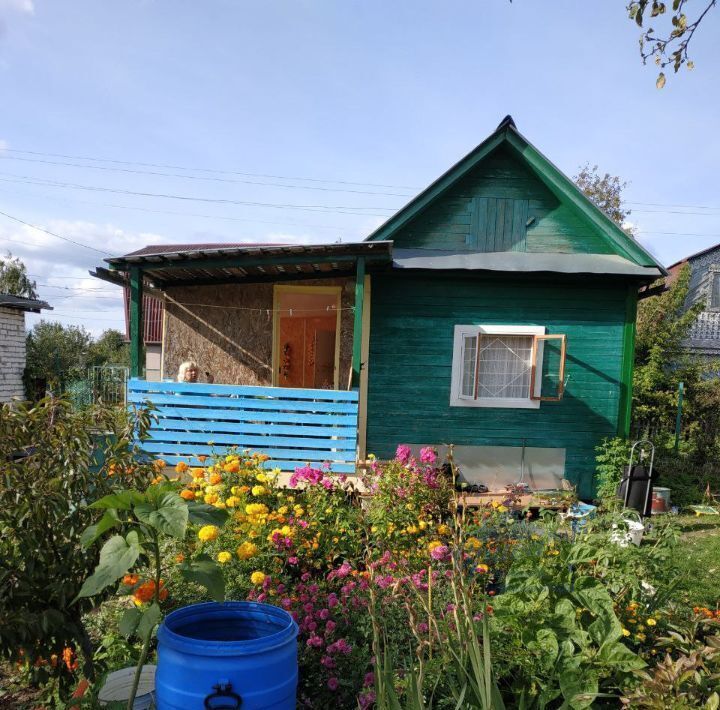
{"points": [[499, 244], [240, 427], [287, 466], [490, 221], [303, 454], [137, 366], [252, 442], [358, 322], [246, 404], [240, 415], [280, 393]]}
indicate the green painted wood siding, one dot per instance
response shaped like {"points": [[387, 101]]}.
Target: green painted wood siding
{"points": [[411, 348], [489, 209]]}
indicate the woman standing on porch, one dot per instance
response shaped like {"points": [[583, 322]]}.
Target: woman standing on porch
{"points": [[188, 372]]}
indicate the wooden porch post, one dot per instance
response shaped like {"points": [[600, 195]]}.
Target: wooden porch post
{"points": [[357, 324], [136, 322]]}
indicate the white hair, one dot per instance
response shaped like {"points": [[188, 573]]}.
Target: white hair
{"points": [[184, 367]]}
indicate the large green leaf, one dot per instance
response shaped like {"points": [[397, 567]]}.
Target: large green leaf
{"points": [[616, 653], [108, 521], [151, 617], [117, 556], [578, 683], [204, 514], [168, 514], [206, 572], [120, 500], [129, 621]]}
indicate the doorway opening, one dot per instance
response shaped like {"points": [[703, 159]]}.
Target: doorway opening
{"points": [[306, 343]]}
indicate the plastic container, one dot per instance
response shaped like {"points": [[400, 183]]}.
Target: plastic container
{"points": [[660, 500], [231, 655], [118, 685]]}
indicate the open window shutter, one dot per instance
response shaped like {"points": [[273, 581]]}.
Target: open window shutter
{"points": [[547, 380]]}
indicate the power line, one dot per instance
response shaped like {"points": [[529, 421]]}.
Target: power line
{"points": [[340, 209], [52, 234], [205, 170], [202, 177], [659, 204]]}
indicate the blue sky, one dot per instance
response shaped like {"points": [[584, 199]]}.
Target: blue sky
{"points": [[330, 114]]}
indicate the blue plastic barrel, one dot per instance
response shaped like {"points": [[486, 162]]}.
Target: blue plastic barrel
{"points": [[231, 655]]}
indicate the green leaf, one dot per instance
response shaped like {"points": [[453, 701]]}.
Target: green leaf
{"points": [[117, 556], [206, 572], [204, 514], [167, 514], [108, 521], [546, 645], [129, 622], [121, 500], [151, 617], [618, 654]]}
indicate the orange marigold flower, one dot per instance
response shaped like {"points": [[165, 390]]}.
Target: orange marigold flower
{"points": [[159, 464], [201, 458], [146, 592], [187, 495], [214, 479], [130, 580], [69, 659], [181, 467], [179, 557], [197, 472], [231, 467]]}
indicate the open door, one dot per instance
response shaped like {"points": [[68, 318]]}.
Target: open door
{"points": [[307, 343]]}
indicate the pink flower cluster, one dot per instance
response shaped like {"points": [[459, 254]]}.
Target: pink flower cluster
{"points": [[312, 477]]}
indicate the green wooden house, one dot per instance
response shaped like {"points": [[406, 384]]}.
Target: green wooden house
{"points": [[495, 312]]}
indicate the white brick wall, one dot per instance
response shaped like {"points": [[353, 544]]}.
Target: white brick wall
{"points": [[12, 353]]}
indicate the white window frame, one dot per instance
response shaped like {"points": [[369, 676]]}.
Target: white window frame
{"points": [[457, 399]]}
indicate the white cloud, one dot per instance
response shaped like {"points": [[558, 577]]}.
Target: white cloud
{"points": [[3, 145], [26, 7]]}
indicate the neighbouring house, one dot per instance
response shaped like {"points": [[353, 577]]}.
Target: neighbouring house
{"points": [[495, 312], [12, 343], [704, 287]]}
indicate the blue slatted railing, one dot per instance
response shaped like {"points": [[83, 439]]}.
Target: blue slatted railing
{"points": [[292, 426]]}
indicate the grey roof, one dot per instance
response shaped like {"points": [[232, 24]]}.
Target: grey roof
{"points": [[22, 304], [609, 264]]}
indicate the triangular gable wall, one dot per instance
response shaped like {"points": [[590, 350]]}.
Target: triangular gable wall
{"points": [[506, 196]]}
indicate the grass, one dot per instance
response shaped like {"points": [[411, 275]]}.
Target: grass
{"points": [[698, 559]]}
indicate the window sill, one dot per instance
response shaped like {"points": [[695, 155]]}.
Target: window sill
{"points": [[497, 403]]}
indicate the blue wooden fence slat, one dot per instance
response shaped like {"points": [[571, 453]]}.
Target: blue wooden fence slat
{"points": [[197, 388], [239, 415], [252, 442], [243, 403], [240, 427], [282, 465], [192, 448]]}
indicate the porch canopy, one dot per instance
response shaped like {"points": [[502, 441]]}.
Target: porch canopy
{"points": [[156, 268]]}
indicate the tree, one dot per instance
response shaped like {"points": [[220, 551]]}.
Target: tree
{"points": [[57, 353], [670, 45], [605, 191], [110, 348], [14, 278]]}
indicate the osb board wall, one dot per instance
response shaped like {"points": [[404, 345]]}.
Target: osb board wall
{"points": [[233, 344]]}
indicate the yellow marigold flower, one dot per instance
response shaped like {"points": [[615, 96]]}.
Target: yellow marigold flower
{"points": [[259, 490], [232, 502], [224, 557], [282, 510], [235, 490], [197, 473], [482, 569], [502, 509], [257, 578], [256, 509], [651, 622], [181, 467], [261, 477], [473, 543], [214, 479], [208, 533], [432, 545], [625, 632], [286, 530], [211, 498], [220, 504], [187, 495], [443, 529], [247, 550], [422, 525]]}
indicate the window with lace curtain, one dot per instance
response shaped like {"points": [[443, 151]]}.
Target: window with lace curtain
{"points": [[500, 366]]}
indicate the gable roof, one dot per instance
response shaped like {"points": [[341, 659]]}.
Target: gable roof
{"points": [[21, 303], [702, 252], [559, 184]]}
